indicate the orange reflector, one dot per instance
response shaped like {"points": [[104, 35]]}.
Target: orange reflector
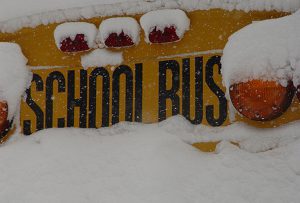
{"points": [[261, 100]]}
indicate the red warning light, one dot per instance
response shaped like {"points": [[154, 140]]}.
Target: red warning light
{"points": [[4, 123], [168, 35], [76, 45], [116, 41]]}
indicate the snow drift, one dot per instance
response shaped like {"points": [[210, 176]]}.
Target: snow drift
{"points": [[142, 163], [14, 76]]}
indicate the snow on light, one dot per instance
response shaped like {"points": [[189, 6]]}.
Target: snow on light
{"points": [[121, 25], [14, 77], [101, 58], [266, 50], [165, 18], [71, 30]]}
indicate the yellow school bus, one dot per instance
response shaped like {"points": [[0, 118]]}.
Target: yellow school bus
{"points": [[154, 82]]}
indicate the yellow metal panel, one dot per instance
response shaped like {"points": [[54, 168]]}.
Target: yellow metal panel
{"points": [[144, 64]]}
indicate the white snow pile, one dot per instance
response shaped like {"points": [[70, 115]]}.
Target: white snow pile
{"points": [[296, 75], [101, 58], [142, 163], [14, 76], [250, 138], [267, 50], [165, 18], [43, 12], [117, 25], [71, 29], [244, 5]]}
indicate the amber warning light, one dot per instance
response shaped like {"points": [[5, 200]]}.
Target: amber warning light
{"points": [[261, 100]]}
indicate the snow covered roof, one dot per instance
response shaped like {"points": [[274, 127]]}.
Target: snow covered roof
{"points": [[31, 13]]}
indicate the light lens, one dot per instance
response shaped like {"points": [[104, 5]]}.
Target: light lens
{"points": [[76, 45], [121, 40], [168, 35], [261, 100], [4, 123]]}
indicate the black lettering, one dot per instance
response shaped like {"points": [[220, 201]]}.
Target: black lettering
{"points": [[171, 94], [198, 90], [35, 108], [61, 122], [116, 93], [59, 77], [215, 60], [80, 102], [93, 95], [138, 117]]}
